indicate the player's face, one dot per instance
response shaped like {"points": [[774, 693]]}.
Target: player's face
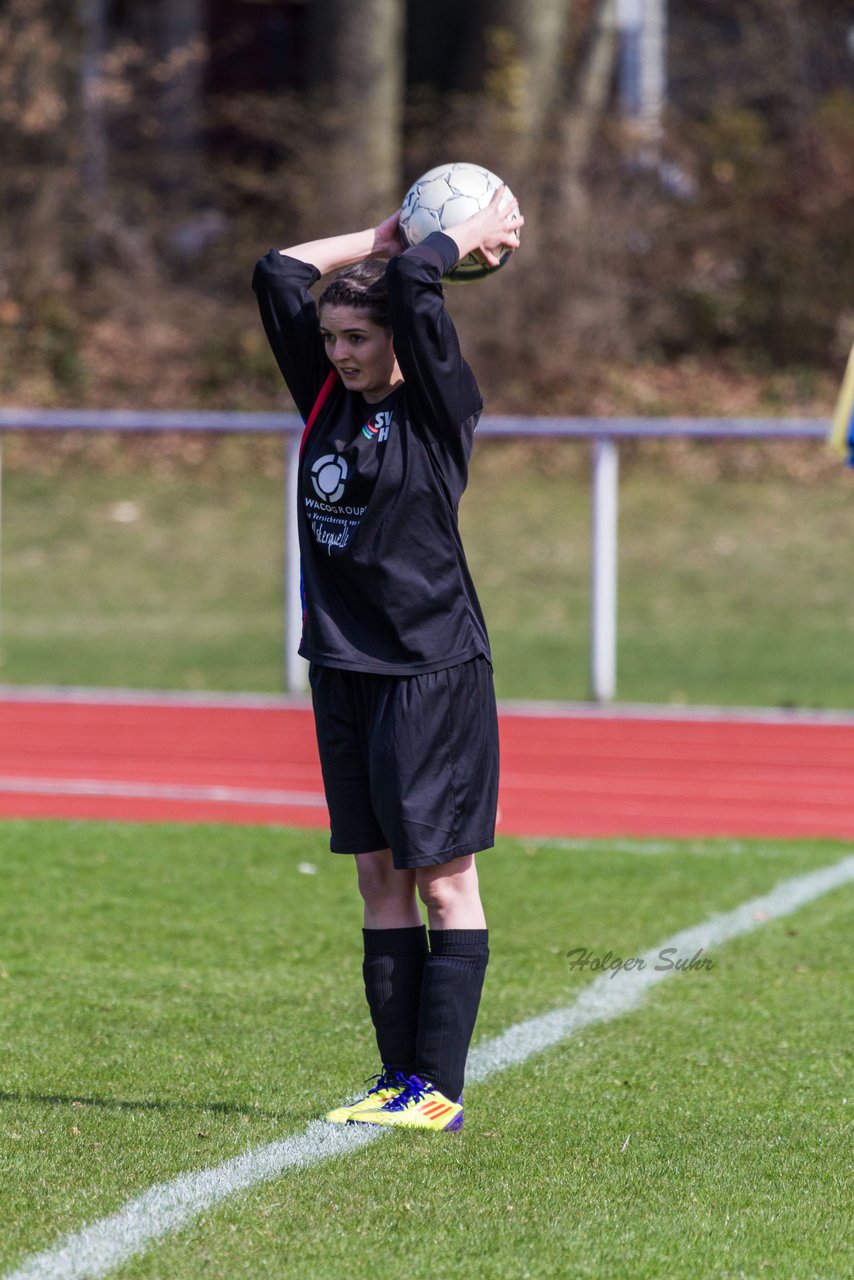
{"points": [[361, 350]]}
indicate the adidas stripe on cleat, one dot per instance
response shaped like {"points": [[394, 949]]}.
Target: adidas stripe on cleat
{"points": [[418, 1106], [389, 1083]]}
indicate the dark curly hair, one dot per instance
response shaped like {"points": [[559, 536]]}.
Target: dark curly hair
{"points": [[362, 286]]}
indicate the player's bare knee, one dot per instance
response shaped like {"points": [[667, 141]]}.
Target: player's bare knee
{"points": [[438, 893], [379, 881]]}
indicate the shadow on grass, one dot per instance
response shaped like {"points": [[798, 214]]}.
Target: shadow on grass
{"points": [[124, 1104]]}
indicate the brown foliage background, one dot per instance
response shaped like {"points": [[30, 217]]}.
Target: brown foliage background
{"points": [[152, 151]]}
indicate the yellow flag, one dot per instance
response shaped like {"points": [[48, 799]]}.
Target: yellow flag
{"points": [[842, 427]]}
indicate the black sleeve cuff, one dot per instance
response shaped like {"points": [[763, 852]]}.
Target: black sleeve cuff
{"points": [[439, 250]]}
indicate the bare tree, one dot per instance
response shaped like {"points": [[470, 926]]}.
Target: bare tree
{"points": [[39, 119], [357, 67], [94, 137], [518, 53], [181, 52], [582, 110]]}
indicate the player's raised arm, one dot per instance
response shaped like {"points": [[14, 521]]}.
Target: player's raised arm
{"points": [[334, 252], [437, 377], [439, 383]]}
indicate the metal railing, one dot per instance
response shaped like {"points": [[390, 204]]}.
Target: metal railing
{"points": [[604, 434]]}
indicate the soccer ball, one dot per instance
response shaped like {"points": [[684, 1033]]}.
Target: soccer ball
{"points": [[444, 196]]}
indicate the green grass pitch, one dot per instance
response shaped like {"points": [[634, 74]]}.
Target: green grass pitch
{"points": [[172, 996], [733, 591]]}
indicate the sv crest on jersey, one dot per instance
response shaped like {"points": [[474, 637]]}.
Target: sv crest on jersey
{"points": [[377, 428]]}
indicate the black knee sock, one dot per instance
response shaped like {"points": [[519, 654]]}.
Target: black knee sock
{"points": [[392, 969], [450, 996]]}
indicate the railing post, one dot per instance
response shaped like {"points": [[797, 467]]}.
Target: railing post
{"points": [[603, 571], [295, 666]]}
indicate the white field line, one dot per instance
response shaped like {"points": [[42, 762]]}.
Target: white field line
{"points": [[188, 793], [105, 1244]]}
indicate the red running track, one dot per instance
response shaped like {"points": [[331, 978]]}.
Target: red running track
{"points": [[570, 773]]}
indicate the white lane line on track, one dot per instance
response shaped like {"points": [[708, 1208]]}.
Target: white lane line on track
{"points": [[188, 793], [97, 1249], [89, 695]]}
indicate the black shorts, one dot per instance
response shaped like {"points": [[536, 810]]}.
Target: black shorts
{"points": [[410, 763]]}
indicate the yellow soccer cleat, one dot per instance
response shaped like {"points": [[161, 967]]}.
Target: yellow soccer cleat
{"points": [[389, 1083], [418, 1106]]}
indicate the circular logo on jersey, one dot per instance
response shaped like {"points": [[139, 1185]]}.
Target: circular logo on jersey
{"points": [[329, 475]]}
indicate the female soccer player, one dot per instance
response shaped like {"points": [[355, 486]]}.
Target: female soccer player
{"points": [[400, 667]]}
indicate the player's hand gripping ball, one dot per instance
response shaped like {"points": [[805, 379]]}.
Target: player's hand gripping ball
{"points": [[444, 196]]}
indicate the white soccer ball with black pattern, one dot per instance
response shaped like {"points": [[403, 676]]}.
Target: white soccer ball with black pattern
{"points": [[444, 196]]}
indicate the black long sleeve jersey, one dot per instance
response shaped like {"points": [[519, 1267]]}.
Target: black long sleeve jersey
{"points": [[386, 584]]}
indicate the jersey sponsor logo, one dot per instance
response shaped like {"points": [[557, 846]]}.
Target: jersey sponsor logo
{"points": [[378, 429], [329, 477], [311, 504], [333, 539]]}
